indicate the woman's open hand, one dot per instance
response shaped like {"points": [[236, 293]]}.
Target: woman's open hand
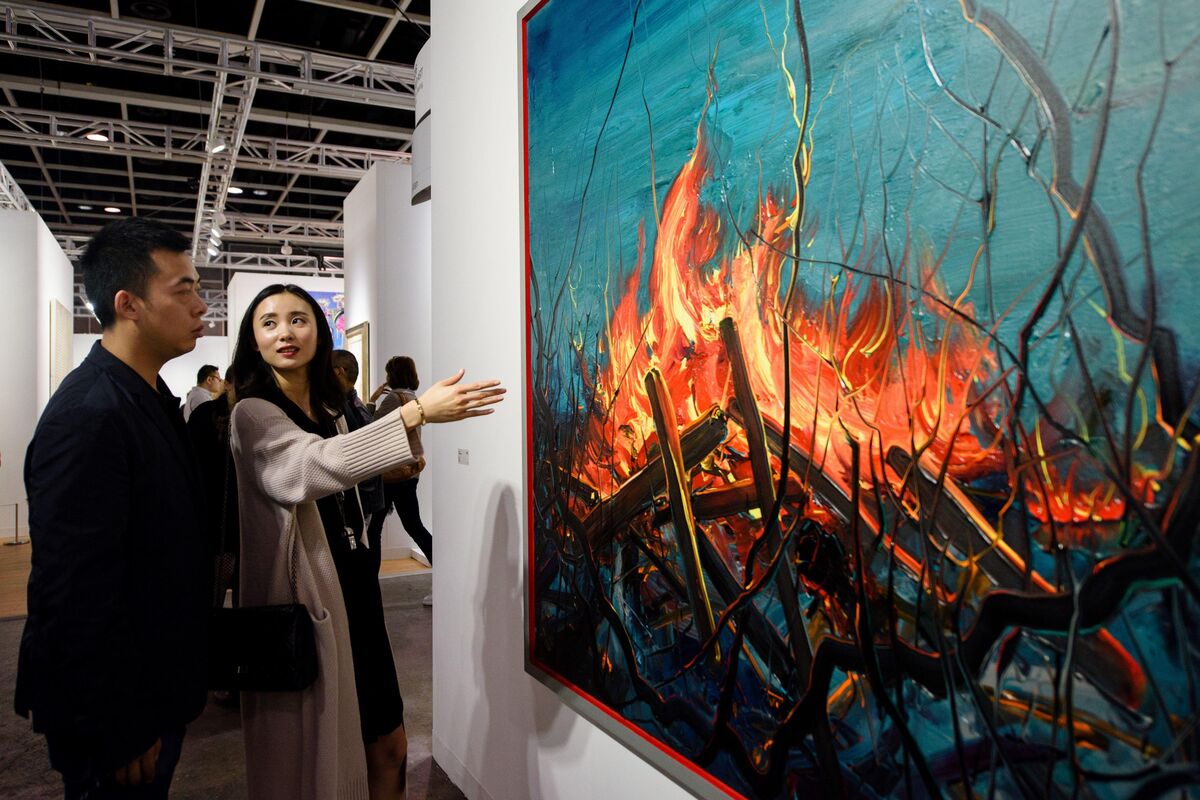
{"points": [[449, 399]]}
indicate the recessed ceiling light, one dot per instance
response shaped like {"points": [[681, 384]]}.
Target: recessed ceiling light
{"points": [[85, 208], [96, 137], [235, 190], [112, 209], [259, 192]]}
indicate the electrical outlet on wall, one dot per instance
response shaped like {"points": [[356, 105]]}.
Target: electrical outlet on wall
{"points": [[464, 456]]}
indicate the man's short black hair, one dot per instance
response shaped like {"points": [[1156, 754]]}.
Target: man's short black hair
{"points": [[348, 363], [206, 372], [118, 257]]}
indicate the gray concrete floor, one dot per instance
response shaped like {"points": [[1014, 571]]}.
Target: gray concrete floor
{"points": [[213, 765]]}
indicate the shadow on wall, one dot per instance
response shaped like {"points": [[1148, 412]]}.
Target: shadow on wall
{"points": [[515, 712]]}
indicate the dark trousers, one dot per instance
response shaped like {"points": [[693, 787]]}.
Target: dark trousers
{"points": [[83, 781], [403, 497]]}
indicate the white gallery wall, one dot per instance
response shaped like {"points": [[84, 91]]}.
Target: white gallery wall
{"points": [[497, 732], [179, 373], [37, 274], [387, 274]]}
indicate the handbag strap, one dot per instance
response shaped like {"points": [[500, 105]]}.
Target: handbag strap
{"points": [[293, 557]]}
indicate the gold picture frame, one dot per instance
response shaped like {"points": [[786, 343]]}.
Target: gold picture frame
{"points": [[358, 342]]}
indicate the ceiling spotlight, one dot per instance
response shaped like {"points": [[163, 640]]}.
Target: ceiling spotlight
{"points": [[218, 146], [112, 210], [215, 234], [90, 307], [213, 252], [85, 208], [259, 193], [212, 324], [96, 137], [218, 217], [286, 249], [235, 190]]}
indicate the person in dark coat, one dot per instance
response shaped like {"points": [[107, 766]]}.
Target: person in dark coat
{"points": [[208, 429], [113, 655]]}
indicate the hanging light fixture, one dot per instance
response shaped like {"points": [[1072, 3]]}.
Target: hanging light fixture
{"points": [[218, 145], [286, 249]]}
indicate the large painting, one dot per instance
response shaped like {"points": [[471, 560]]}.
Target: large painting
{"points": [[862, 368]]}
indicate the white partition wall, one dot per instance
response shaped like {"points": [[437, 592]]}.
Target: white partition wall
{"points": [[37, 275], [179, 373], [497, 732], [387, 267]]}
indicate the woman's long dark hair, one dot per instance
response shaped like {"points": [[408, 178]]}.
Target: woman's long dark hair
{"points": [[255, 379]]}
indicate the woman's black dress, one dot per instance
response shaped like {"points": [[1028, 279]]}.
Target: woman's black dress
{"points": [[380, 707]]}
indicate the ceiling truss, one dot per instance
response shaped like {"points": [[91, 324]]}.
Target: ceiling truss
{"points": [[135, 45], [237, 71], [189, 145]]}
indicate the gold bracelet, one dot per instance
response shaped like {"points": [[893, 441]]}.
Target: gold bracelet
{"points": [[420, 408]]}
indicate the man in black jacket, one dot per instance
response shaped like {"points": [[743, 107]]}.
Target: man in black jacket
{"points": [[113, 655]]}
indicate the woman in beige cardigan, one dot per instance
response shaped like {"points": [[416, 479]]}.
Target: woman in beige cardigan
{"points": [[336, 739]]}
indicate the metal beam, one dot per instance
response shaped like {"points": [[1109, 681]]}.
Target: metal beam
{"points": [[41, 163], [119, 173], [34, 195], [90, 170], [11, 195], [237, 261], [133, 204], [364, 8], [50, 32], [184, 105], [320, 137], [226, 131], [261, 227], [68, 131]]}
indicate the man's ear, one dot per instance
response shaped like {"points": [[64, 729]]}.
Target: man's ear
{"points": [[126, 306]]}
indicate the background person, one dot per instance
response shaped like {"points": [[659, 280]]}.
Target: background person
{"points": [[112, 663], [343, 736], [400, 388], [208, 429], [370, 491], [208, 386]]}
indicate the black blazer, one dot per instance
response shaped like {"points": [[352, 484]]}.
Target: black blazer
{"points": [[115, 645]]}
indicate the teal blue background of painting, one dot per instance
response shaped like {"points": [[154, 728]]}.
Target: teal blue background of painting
{"points": [[876, 110]]}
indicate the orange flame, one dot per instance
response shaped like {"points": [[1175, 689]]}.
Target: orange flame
{"points": [[858, 359]]}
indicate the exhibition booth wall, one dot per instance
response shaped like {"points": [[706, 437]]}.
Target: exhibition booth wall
{"points": [[497, 732], [387, 275], [179, 373], [37, 329]]}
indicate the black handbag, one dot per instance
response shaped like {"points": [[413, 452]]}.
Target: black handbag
{"points": [[263, 648]]}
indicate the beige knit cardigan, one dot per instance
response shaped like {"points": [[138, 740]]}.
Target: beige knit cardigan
{"points": [[303, 745]]}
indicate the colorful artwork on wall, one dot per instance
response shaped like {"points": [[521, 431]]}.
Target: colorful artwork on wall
{"points": [[334, 306], [862, 369]]}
